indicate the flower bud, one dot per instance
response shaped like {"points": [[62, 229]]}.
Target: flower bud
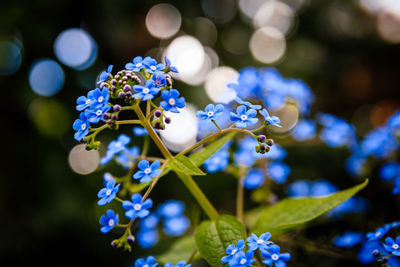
{"points": [[167, 120], [121, 95], [115, 243], [261, 138], [103, 84], [117, 108], [127, 88], [113, 81], [157, 113], [114, 117], [124, 78], [375, 253], [130, 239], [106, 116], [270, 142], [116, 76]]}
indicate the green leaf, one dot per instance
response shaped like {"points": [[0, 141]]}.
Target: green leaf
{"points": [[184, 165], [290, 213], [213, 237], [199, 157], [181, 249]]}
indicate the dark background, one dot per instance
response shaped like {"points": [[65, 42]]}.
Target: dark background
{"points": [[49, 214]]}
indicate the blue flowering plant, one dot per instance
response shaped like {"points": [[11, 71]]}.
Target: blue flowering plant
{"points": [[234, 138]]}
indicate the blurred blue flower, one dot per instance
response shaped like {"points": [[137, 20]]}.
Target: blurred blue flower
{"points": [[217, 162], [300, 188], [379, 143], [171, 208], [150, 222], [248, 82], [365, 253], [254, 179], [337, 132], [304, 130], [114, 147], [108, 221], [137, 208], [244, 117], [389, 171], [128, 156], [172, 101], [378, 234], [278, 171], [108, 193], [139, 131], [247, 104], [176, 226], [348, 239], [147, 171], [146, 238], [150, 261]]}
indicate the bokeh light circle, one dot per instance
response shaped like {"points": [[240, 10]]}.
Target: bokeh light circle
{"points": [[288, 114], [10, 57], [220, 11], [46, 77], [75, 48], [181, 133], [274, 14], [163, 21], [216, 84], [82, 161], [267, 45]]}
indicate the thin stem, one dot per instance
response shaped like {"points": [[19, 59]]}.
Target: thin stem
{"points": [[258, 129], [153, 159], [129, 122], [152, 133], [118, 199], [199, 196], [216, 125], [191, 257], [148, 107], [205, 140], [154, 182], [240, 195]]}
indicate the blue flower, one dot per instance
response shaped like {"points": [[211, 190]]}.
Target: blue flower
{"points": [[147, 171], [81, 125], [304, 130], [389, 171], [169, 67], [159, 80], [247, 104], [300, 188], [338, 133], [365, 253], [273, 256], [150, 222], [231, 251], [171, 208], [108, 221], [139, 131], [392, 246], [127, 156], [179, 264], [278, 171], [274, 120], [378, 234], [100, 98], [137, 208], [84, 102], [108, 193], [136, 65], [254, 179], [152, 66], [114, 147], [217, 162], [248, 83], [146, 92], [150, 261], [105, 74], [176, 226], [95, 115], [348, 239], [261, 243], [242, 260], [211, 112], [146, 238], [172, 101], [243, 117]]}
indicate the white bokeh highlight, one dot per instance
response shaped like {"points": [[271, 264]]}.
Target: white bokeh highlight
{"points": [[82, 161], [163, 21], [216, 84]]}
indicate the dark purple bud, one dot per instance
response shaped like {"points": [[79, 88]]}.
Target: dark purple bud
{"points": [[128, 94], [114, 117], [127, 88], [267, 149], [112, 88], [157, 113], [117, 108], [382, 260], [157, 125], [270, 142], [106, 116], [113, 81], [167, 120], [114, 124], [121, 95], [263, 147], [116, 76], [119, 73], [130, 239], [375, 253], [114, 244], [109, 122], [261, 138]]}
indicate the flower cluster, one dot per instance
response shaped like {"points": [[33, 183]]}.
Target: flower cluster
{"points": [[374, 245], [150, 261], [236, 256]]}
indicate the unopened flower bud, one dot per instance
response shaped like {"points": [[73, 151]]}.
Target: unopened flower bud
{"points": [[117, 108], [157, 113], [116, 76], [113, 81], [261, 138], [124, 78], [106, 116], [167, 120], [375, 253], [114, 117], [130, 239], [114, 243], [270, 142], [109, 122], [127, 88], [121, 95]]}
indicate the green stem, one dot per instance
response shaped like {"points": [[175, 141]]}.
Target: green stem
{"points": [[152, 133], [258, 129], [199, 196], [216, 125], [129, 122], [240, 196]]}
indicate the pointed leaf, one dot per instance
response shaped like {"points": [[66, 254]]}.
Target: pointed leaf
{"points": [[184, 165], [290, 213], [181, 249], [213, 237]]}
